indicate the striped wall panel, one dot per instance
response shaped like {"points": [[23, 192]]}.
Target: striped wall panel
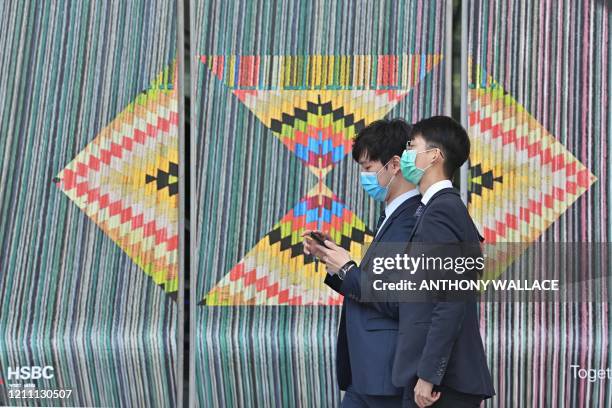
{"points": [[88, 201], [278, 90], [89, 206], [539, 118]]}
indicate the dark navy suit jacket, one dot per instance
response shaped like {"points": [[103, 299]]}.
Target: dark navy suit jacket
{"points": [[368, 331], [440, 341]]}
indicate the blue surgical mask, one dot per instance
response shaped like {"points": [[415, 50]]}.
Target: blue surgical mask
{"points": [[369, 182], [410, 171]]}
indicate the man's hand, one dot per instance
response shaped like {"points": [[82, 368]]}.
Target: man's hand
{"points": [[424, 395], [334, 256], [311, 247]]}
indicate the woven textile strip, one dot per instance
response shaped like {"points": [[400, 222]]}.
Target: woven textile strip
{"points": [[539, 120], [126, 180], [88, 146], [335, 98], [279, 90]]}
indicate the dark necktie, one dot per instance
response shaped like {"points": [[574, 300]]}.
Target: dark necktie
{"points": [[419, 210]]}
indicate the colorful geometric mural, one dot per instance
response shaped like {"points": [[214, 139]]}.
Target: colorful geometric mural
{"points": [[279, 89], [521, 178], [88, 152], [126, 180], [539, 120], [316, 116], [276, 271]]}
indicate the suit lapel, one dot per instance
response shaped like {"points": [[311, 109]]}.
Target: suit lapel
{"points": [[399, 210], [431, 200], [417, 224], [395, 214]]}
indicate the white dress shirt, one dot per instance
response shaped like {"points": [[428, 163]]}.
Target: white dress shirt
{"points": [[396, 202], [434, 188]]}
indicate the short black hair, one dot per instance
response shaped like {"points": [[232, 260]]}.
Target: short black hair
{"points": [[381, 140], [449, 136]]}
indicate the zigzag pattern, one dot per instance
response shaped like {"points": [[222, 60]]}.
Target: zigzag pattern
{"points": [[126, 181], [546, 178], [276, 271], [316, 116], [319, 126], [319, 135]]}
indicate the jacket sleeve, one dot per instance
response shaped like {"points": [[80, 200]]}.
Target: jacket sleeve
{"points": [[350, 286], [446, 321], [351, 289], [334, 282], [447, 317]]}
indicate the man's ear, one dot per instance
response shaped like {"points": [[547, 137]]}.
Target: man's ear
{"points": [[395, 163], [439, 156]]}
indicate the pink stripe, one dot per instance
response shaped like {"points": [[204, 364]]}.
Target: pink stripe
{"points": [[604, 176], [604, 206], [584, 318], [503, 349], [535, 362], [417, 93], [510, 5], [540, 64], [556, 351], [419, 26], [490, 50]]}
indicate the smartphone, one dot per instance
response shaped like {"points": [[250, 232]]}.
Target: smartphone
{"points": [[319, 238]]}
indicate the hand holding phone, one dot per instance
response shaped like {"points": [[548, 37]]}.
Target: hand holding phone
{"points": [[318, 237]]}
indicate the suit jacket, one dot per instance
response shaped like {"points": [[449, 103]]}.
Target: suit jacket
{"points": [[440, 341], [368, 331]]}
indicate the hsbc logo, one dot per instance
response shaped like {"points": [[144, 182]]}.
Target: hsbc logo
{"points": [[30, 372]]}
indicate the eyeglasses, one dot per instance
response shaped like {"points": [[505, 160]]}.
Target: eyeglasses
{"points": [[429, 147]]}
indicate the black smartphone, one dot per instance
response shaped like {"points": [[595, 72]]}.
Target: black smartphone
{"points": [[318, 237]]}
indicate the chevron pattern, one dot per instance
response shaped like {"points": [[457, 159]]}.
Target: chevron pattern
{"points": [[316, 116], [521, 178], [276, 271], [126, 181], [519, 166]]}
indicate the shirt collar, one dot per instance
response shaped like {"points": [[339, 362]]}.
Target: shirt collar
{"points": [[434, 188], [397, 201]]}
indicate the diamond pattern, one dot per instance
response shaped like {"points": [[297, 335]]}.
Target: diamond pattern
{"points": [[126, 181], [315, 114], [521, 178]]}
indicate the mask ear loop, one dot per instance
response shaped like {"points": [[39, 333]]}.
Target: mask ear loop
{"points": [[392, 177], [395, 174], [390, 181], [440, 150], [383, 167], [433, 148]]}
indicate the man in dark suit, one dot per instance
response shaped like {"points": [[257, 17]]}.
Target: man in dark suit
{"points": [[368, 331], [440, 357]]}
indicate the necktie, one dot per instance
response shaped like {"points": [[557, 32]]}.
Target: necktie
{"points": [[419, 210]]}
